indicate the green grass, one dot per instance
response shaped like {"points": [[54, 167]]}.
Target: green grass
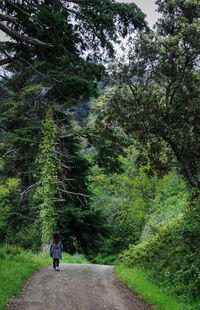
{"points": [[16, 269], [74, 259], [137, 279]]}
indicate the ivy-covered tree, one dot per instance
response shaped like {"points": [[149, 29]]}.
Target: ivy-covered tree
{"points": [[48, 166]]}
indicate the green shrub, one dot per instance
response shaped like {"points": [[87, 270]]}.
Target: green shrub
{"points": [[2, 254], [104, 259], [153, 250], [172, 255], [13, 250]]}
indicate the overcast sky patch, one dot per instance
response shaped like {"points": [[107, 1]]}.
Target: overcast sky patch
{"points": [[148, 7]]}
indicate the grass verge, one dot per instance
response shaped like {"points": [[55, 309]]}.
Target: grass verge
{"points": [[16, 269], [74, 259], [136, 279]]}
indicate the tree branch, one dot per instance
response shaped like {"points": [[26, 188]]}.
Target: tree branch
{"points": [[36, 71], [8, 18], [22, 194], [59, 200], [193, 180], [17, 133], [17, 36], [67, 136], [72, 193], [5, 61], [14, 117], [79, 1], [5, 78]]}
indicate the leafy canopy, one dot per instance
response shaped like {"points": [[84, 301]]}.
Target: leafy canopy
{"points": [[157, 102]]}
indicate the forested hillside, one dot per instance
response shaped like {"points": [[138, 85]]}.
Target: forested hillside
{"points": [[100, 147]]}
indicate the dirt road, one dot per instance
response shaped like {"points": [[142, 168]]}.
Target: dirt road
{"points": [[76, 287]]}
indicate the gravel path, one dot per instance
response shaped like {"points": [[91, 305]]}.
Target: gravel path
{"points": [[76, 287]]}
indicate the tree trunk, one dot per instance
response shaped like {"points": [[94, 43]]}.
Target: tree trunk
{"points": [[45, 248], [194, 182]]}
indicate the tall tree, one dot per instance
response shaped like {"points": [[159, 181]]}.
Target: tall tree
{"points": [[46, 65], [158, 100], [48, 166]]}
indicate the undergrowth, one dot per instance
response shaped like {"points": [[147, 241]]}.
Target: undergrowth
{"points": [[172, 255]]}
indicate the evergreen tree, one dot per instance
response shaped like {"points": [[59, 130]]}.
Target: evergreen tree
{"points": [[46, 65]]}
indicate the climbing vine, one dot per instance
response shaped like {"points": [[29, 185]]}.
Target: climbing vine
{"points": [[48, 167]]}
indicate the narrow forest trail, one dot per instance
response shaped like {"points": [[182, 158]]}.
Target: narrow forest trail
{"points": [[77, 287]]}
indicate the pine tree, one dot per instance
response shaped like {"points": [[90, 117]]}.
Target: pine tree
{"points": [[46, 64]]}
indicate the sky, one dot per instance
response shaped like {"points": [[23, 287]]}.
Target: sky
{"points": [[148, 7]]}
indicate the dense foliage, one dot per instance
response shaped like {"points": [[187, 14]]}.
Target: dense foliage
{"points": [[153, 204], [52, 62], [117, 175], [157, 101]]}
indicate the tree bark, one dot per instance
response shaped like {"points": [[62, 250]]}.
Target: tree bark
{"points": [[194, 182], [5, 61], [8, 18], [17, 36]]}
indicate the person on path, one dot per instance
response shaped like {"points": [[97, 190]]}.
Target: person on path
{"points": [[56, 248]]}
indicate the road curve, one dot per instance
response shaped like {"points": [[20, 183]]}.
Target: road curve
{"points": [[76, 287]]}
